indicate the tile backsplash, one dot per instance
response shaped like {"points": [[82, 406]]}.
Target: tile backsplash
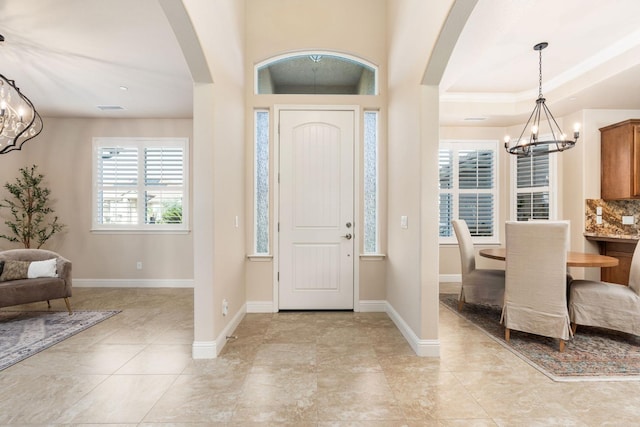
{"points": [[612, 213]]}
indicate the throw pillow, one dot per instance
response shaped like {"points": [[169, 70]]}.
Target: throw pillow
{"points": [[46, 268], [14, 270]]}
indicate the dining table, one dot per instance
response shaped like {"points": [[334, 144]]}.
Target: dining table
{"points": [[574, 259]]}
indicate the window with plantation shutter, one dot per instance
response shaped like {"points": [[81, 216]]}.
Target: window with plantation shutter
{"points": [[140, 184], [533, 189], [467, 181]]}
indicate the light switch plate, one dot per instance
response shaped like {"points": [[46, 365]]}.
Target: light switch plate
{"points": [[628, 219], [404, 221]]}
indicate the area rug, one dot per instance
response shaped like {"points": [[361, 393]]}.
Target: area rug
{"points": [[25, 333], [594, 354]]}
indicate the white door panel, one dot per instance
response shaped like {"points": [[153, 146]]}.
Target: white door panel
{"points": [[316, 203]]}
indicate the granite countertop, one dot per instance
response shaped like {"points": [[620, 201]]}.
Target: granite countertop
{"points": [[611, 237]]}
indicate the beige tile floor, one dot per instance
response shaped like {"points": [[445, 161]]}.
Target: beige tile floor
{"points": [[298, 369]]}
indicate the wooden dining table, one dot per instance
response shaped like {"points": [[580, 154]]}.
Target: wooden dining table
{"points": [[574, 259]]}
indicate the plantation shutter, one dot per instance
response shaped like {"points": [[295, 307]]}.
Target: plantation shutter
{"points": [[117, 182], [140, 184], [467, 186], [445, 202], [476, 182], [164, 180], [532, 187]]}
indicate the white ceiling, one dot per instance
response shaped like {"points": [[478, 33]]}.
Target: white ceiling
{"points": [[71, 56], [592, 61]]}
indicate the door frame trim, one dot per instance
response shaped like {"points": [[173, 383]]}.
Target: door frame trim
{"points": [[357, 147]]}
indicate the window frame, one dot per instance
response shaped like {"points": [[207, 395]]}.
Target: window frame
{"points": [[140, 143], [460, 145], [551, 188]]}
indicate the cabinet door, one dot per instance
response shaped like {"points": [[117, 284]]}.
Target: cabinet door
{"points": [[620, 273], [617, 163], [636, 161]]}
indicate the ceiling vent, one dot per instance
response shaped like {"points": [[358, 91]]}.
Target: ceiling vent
{"points": [[110, 107]]}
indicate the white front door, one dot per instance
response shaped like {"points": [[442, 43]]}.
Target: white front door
{"points": [[316, 237]]}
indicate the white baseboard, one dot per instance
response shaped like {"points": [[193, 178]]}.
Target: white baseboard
{"points": [[423, 348], [450, 278], [133, 283], [260, 307], [204, 350], [228, 330], [211, 349], [373, 306]]}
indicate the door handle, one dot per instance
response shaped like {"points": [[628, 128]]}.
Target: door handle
{"points": [[347, 236]]}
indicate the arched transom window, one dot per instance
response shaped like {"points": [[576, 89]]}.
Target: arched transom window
{"points": [[322, 73]]}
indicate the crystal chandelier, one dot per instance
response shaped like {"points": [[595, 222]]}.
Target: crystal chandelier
{"points": [[557, 140], [19, 120]]}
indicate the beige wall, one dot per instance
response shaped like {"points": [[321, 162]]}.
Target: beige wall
{"points": [[218, 173], [412, 260], [275, 28], [63, 154]]}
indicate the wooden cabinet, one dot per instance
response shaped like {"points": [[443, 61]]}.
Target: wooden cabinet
{"points": [[622, 249], [619, 273], [620, 160]]}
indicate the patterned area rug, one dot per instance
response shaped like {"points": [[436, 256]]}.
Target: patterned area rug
{"points": [[25, 333], [594, 354]]}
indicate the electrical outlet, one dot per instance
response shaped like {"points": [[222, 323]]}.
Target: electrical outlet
{"points": [[225, 307], [139, 265], [599, 219], [628, 219], [599, 210]]}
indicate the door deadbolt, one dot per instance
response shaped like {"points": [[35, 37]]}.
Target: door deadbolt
{"points": [[348, 225]]}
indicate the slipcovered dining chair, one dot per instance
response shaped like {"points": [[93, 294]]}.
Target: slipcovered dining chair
{"points": [[535, 299], [608, 305], [479, 286]]}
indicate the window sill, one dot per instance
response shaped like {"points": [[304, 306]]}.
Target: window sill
{"points": [[138, 231], [260, 257], [373, 257]]}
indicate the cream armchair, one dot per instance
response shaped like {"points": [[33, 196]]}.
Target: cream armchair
{"points": [[608, 305], [479, 286], [535, 299]]}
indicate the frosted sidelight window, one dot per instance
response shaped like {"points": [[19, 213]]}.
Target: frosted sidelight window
{"points": [[534, 180], [140, 184], [261, 182], [468, 190], [371, 183]]}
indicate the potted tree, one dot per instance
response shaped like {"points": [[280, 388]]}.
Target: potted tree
{"points": [[30, 210]]}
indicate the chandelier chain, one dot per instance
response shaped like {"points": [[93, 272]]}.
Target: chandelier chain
{"points": [[540, 78]]}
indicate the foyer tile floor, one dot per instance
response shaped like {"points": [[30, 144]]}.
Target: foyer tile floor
{"points": [[297, 369]]}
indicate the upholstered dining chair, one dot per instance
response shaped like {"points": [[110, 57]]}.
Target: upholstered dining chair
{"points": [[535, 299], [479, 285], [608, 305]]}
